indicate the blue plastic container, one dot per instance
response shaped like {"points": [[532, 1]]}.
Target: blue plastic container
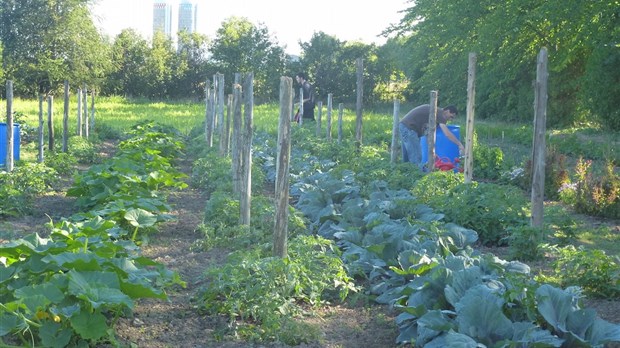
{"points": [[443, 146], [4, 141]]}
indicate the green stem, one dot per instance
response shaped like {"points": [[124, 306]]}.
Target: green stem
{"points": [[135, 234]]}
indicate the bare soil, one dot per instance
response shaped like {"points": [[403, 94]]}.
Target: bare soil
{"points": [[178, 323]]}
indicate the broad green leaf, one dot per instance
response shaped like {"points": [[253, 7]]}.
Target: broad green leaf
{"points": [[601, 332], [534, 336], [555, 305], [53, 335], [140, 218], [6, 273], [90, 326], [479, 315], [75, 261], [10, 323], [436, 320], [453, 339], [49, 290]]}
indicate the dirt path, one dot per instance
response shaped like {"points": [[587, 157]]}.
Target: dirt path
{"points": [[178, 323]]}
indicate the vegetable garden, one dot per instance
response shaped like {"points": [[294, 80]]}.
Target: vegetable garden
{"points": [[360, 229]]}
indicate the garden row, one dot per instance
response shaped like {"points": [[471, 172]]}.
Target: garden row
{"points": [[408, 251], [69, 288]]}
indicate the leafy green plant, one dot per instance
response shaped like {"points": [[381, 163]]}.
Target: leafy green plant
{"points": [[70, 288], [268, 291], [63, 163], [489, 162], [489, 209], [556, 174], [597, 195], [525, 242], [593, 270], [19, 188], [83, 150]]}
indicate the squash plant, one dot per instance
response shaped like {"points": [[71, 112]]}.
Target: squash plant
{"points": [[63, 290], [70, 288]]}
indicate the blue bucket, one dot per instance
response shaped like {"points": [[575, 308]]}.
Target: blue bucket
{"points": [[443, 146], [4, 141]]}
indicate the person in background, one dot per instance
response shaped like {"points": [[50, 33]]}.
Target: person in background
{"points": [[415, 124], [308, 96]]}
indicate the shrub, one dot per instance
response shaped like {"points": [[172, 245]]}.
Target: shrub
{"points": [[593, 270], [487, 208], [597, 195], [268, 291], [63, 163]]}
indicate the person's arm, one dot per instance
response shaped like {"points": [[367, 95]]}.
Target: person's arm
{"points": [[451, 137]]}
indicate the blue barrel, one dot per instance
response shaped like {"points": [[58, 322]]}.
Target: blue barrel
{"points": [[4, 141], [443, 146]]}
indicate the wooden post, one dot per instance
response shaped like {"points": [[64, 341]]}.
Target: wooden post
{"points": [[9, 126], [50, 122], [85, 114], [280, 234], [539, 146], [430, 137], [318, 118], [220, 103], [40, 158], [208, 114], [92, 110], [340, 116], [79, 112], [328, 131], [471, 107], [246, 153], [236, 138], [225, 140], [395, 121], [65, 120], [358, 104]]}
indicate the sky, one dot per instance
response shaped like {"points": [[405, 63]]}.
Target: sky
{"points": [[287, 21]]}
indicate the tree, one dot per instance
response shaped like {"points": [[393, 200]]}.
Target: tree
{"points": [[49, 41], [242, 47], [190, 66], [507, 39], [128, 76]]}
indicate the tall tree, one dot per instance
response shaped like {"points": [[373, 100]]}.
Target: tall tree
{"points": [[48, 41], [128, 75], [241, 47]]}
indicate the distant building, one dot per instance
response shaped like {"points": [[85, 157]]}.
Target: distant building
{"points": [[162, 18], [187, 16]]}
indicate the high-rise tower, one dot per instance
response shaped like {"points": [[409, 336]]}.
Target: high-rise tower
{"points": [[162, 17], [187, 16]]}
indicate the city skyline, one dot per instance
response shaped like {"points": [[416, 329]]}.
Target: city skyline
{"points": [[346, 20]]}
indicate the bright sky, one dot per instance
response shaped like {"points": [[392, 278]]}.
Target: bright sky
{"points": [[288, 21]]}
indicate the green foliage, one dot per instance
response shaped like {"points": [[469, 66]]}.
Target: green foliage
{"points": [[488, 161], [70, 288], [591, 269], [65, 46], [268, 291], [83, 150], [63, 163], [579, 37], [19, 188], [593, 193], [221, 222], [489, 209], [525, 242]]}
